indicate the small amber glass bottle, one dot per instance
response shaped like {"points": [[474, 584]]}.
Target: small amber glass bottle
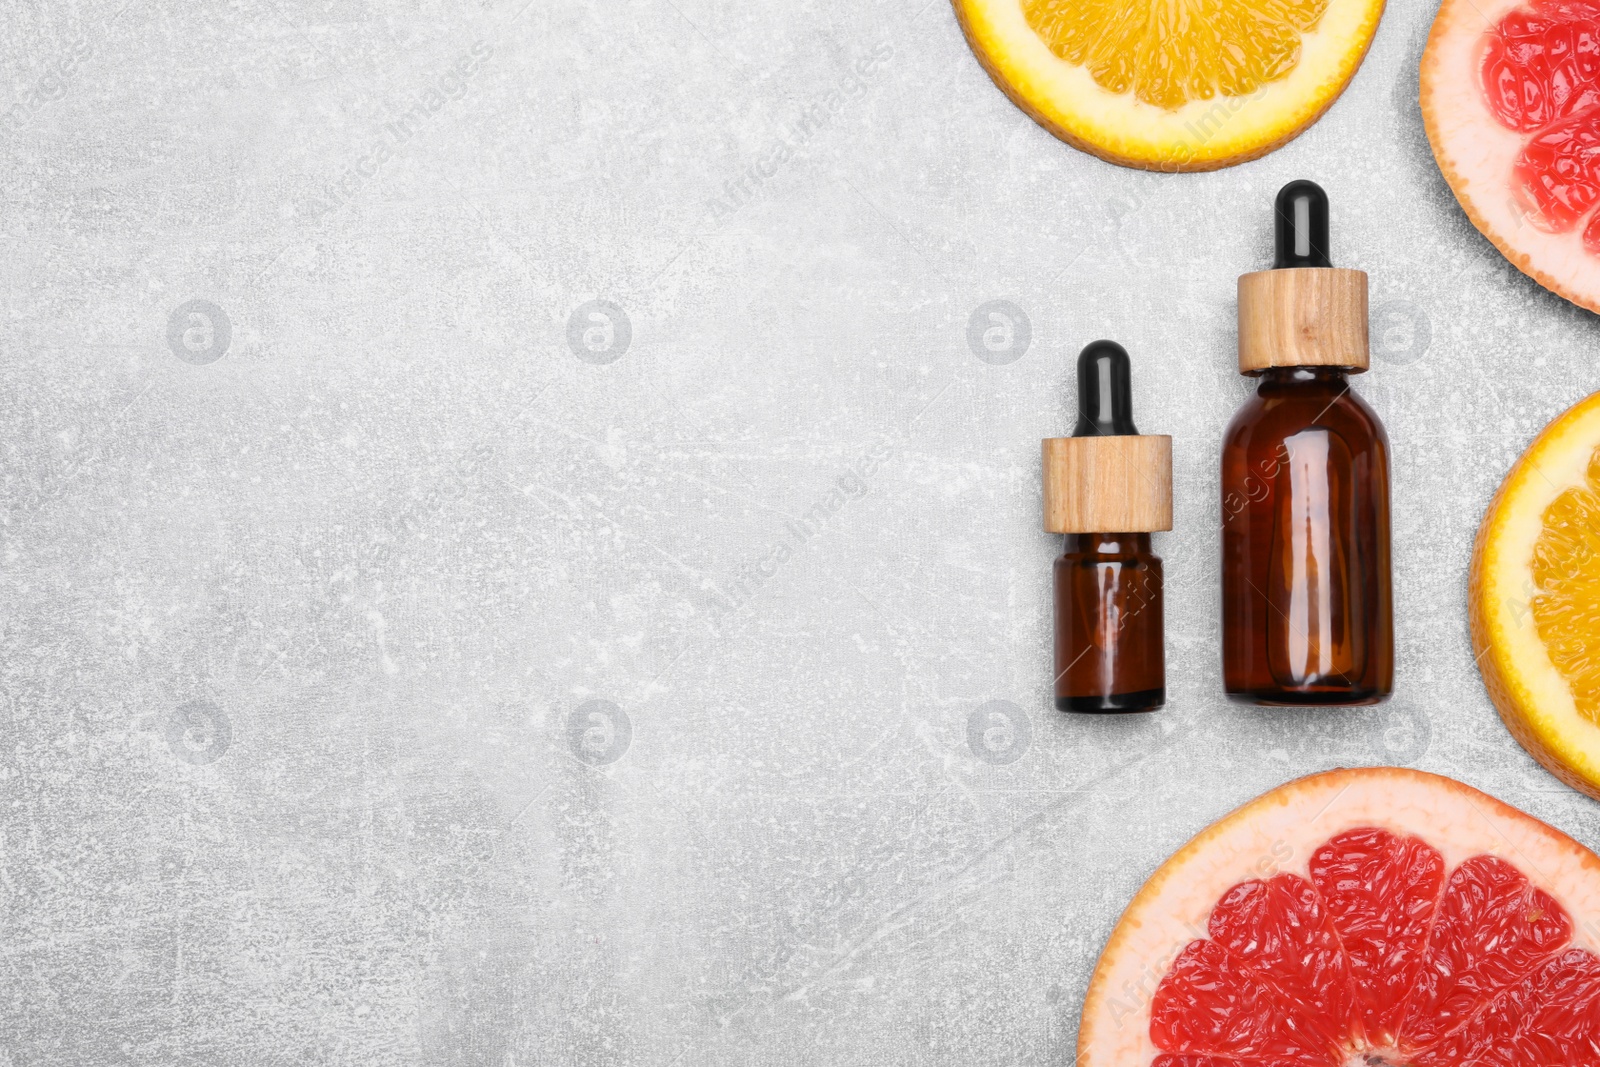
{"points": [[1106, 488], [1307, 616]]}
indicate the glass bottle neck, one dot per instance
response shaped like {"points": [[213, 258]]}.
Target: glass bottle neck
{"points": [[1106, 544], [1302, 375], [1278, 381]]}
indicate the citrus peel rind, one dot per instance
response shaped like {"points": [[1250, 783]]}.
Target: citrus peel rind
{"points": [[1283, 836], [1532, 695], [1478, 154], [1202, 134]]}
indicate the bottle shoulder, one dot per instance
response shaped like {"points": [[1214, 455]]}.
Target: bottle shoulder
{"points": [[1272, 414]]}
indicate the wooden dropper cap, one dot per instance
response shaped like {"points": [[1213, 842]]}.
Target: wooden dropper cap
{"points": [[1304, 312], [1107, 477]]}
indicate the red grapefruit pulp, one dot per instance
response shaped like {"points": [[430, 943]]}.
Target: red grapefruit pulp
{"points": [[1511, 98], [1378, 916], [1541, 77]]}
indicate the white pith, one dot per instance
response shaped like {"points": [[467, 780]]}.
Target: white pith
{"points": [[1278, 833], [1477, 153]]}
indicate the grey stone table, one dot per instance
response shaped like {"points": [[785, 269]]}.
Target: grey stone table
{"points": [[520, 538]]}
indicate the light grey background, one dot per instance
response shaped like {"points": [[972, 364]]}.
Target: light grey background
{"points": [[385, 683]]}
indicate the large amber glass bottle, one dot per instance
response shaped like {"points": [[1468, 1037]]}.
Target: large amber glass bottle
{"points": [[1307, 614]]}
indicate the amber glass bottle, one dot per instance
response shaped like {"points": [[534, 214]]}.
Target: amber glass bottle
{"points": [[1106, 488], [1110, 643], [1307, 617]]}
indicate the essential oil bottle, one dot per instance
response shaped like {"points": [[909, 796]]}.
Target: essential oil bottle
{"points": [[1106, 488], [1307, 613]]}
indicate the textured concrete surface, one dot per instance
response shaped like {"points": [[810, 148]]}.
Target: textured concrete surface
{"points": [[519, 527]]}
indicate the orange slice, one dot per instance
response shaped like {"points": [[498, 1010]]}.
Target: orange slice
{"points": [[1376, 916], [1171, 85], [1534, 598]]}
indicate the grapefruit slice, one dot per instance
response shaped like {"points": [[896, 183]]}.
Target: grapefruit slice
{"points": [[1534, 598], [1376, 917], [1511, 100], [1171, 85]]}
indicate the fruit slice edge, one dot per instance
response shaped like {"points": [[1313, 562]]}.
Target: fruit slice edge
{"points": [[1530, 694], [1476, 153], [1201, 135], [1277, 832]]}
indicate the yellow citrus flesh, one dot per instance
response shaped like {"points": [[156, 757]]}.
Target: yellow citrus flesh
{"points": [[1566, 575], [1169, 54], [1171, 84], [1535, 598]]}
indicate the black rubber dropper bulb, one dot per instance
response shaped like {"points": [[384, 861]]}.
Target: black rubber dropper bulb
{"points": [[1105, 391], [1301, 228]]}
